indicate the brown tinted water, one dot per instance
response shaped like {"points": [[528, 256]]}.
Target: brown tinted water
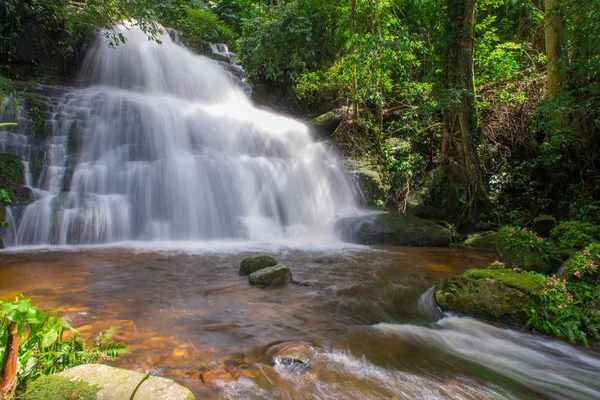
{"points": [[356, 315]]}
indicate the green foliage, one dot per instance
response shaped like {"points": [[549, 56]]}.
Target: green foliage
{"points": [[575, 234], [522, 239], [49, 344], [566, 316], [55, 387], [280, 43], [584, 264], [43, 35], [199, 26]]}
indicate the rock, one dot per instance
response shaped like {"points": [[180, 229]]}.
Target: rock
{"points": [[543, 225], [272, 276], [216, 377], [495, 294], [329, 121], [392, 228], [483, 241], [528, 260], [12, 174], [219, 57], [425, 212], [368, 181], [294, 357], [250, 265], [118, 384]]}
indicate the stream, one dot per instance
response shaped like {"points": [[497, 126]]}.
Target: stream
{"points": [[182, 309]]}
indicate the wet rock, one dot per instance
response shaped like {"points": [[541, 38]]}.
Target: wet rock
{"points": [[426, 212], [543, 225], [294, 357], [216, 377], [483, 241], [118, 384], [495, 294], [392, 228], [250, 265], [271, 276]]}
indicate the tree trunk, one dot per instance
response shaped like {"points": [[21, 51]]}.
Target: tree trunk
{"points": [[462, 134], [8, 377], [554, 35]]}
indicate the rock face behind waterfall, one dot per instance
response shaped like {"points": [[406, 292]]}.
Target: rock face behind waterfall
{"points": [[160, 143]]}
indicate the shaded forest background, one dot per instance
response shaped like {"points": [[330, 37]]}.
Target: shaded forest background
{"points": [[486, 111]]}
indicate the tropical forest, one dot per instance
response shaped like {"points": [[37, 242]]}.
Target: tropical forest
{"points": [[299, 199]]}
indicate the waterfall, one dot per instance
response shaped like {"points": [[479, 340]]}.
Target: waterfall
{"points": [[161, 143]]}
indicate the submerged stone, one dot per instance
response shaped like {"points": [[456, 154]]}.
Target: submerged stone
{"points": [[118, 384], [495, 294], [250, 265], [394, 229], [271, 276]]}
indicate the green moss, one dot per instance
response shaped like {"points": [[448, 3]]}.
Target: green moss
{"points": [[59, 388], [482, 240], [12, 174], [495, 294], [528, 260], [528, 283], [250, 265]]}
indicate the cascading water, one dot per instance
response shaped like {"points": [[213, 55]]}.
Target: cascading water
{"points": [[164, 145]]}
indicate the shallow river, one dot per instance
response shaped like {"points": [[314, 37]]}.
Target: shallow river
{"points": [[357, 315]]}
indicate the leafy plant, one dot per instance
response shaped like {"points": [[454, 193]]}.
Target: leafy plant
{"points": [[47, 343], [575, 234], [518, 238]]}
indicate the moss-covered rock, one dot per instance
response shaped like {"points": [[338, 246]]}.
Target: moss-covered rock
{"points": [[575, 234], [329, 121], [54, 387], [394, 229], [12, 174], [543, 225], [118, 384], [250, 265], [271, 276], [368, 180], [528, 260], [496, 294], [483, 241]]}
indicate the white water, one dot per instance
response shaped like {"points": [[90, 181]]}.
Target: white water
{"points": [[548, 366], [164, 146]]}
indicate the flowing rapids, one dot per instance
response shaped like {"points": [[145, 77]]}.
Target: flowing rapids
{"points": [[163, 144]]}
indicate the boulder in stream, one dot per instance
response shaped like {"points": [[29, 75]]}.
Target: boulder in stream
{"points": [[250, 265], [494, 294], [119, 384], [392, 228], [271, 276]]}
